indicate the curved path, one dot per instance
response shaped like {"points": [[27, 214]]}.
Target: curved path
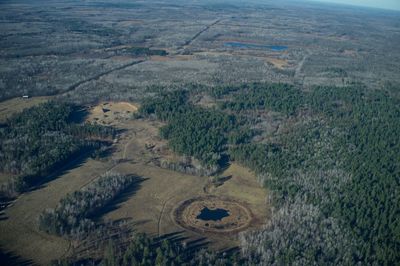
{"points": [[161, 215]]}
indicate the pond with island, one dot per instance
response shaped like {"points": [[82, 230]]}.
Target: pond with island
{"points": [[212, 214]]}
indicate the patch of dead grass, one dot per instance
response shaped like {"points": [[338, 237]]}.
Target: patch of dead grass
{"points": [[278, 63], [16, 105], [111, 113], [20, 230]]}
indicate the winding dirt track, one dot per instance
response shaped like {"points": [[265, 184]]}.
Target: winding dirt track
{"points": [[161, 215]]}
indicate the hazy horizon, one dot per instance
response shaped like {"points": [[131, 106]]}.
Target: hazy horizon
{"points": [[384, 4]]}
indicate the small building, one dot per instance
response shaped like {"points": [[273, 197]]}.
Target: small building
{"points": [[25, 96]]}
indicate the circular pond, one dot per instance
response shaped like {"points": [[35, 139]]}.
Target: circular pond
{"points": [[212, 214]]}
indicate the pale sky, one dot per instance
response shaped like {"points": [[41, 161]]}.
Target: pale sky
{"points": [[386, 4]]}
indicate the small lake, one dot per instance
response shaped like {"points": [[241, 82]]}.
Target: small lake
{"points": [[276, 48], [212, 215]]}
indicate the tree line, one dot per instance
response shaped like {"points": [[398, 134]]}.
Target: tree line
{"points": [[283, 98], [143, 250], [39, 139], [71, 217], [192, 130]]}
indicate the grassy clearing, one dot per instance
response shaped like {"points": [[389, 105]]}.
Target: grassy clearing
{"points": [[152, 206], [5, 177], [19, 230], [10, 107], [243, 184]]}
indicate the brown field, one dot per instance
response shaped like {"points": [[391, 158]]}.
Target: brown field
{"points": [[19, 230], [5, 177], [118, 47], [10, 107], [111, 113], [150, 207], [123, 58], [159, 58], [278, 63]]}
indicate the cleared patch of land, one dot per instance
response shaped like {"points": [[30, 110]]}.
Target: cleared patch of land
{"points": [[151, 207], [12, 106], [5, 177], [19, 228], [278, 63], [110, 113]]}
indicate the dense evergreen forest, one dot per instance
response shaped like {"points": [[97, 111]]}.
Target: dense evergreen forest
{"points": [[193, 130], [334, 175], [38, 140], [254, 96], [144, 251]]}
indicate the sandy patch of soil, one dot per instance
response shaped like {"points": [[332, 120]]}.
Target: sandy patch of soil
{"points": [[278, 63], [111, 113]]}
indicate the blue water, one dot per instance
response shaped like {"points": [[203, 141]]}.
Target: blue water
{"points": [[215, 215], [276, 48]]}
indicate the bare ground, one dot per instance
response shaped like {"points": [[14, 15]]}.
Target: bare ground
{"points": [[12, 106]]}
